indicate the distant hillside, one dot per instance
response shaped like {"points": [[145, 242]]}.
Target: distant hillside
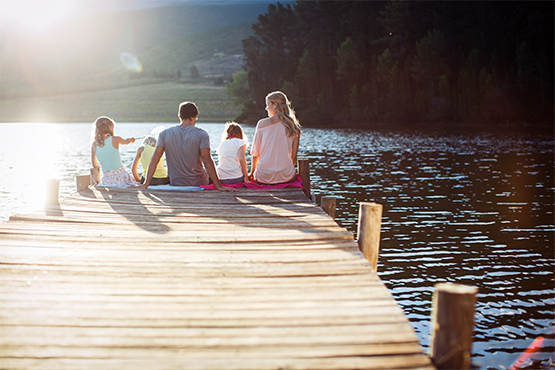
{"points": [[156, 26], [84, 54], [220, 49]]}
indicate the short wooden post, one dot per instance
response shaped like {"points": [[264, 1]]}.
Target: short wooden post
{"points": [[452, 325], [52, 191], [369, 226], [95, 176], [82, 182], [303, 166], [329, 205]]}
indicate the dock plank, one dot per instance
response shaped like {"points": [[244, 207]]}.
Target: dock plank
{"points": [[255, 279]]}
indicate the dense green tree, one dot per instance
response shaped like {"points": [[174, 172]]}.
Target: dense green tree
{"points": [[193, 71], [272, 53], [238, 87], [405, 62]]}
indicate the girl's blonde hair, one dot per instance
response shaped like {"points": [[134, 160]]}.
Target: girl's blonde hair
{"points": [[232, 129], [103, 129], [285, 112], [149, 140]]}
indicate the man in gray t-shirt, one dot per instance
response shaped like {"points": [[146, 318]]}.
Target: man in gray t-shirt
{"points": [[187, 148], [182, 146]]}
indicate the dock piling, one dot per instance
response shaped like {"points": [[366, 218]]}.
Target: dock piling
{"points": [[452, 325], [82, 182], [329, 205], [52, 191], [303, 165], [369, 225]]}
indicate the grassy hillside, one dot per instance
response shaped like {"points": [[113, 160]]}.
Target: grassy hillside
{"points": [[84, 55], [200, 48], [156, 102], [74, 73]]}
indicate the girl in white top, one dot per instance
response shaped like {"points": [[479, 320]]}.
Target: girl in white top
{"points": [[232, 167]]}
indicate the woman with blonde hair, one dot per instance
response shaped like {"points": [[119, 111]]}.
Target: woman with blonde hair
{"points": [[105, 154], [276, 142]]}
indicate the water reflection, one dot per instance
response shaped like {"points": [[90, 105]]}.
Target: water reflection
{"points": [[467, 208], [473, 209], [31, 153]]}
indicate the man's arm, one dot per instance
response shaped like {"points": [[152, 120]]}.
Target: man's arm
{"points": [[158, 152], [211, 168]]}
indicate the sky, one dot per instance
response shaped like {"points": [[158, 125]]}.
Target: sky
{"points": [[40, 15]]}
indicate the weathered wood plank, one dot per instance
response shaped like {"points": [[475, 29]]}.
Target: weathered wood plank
{"points": [[230, 228], [173, 348], [124, 279], [416, 362], [144, 236], [74, 217]]}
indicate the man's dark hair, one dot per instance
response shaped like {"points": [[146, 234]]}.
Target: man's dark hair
{"points": [[187, 110]]}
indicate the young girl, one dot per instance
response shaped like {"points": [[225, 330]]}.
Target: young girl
{"points": [[276, 142], [144, 155], [105, 154], [232, 168]]}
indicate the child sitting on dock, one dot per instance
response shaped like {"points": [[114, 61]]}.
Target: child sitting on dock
{"points": [[144, 155], [105, 154], [232, 167]]}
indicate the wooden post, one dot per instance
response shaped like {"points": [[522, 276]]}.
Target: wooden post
{"points": [[329, 205], [369, 226], [82, 182], [52, 191], [95, 176], [303, 166], [452, 325]]}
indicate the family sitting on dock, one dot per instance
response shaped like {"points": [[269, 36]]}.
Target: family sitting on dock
{"points": [[186, 149]]}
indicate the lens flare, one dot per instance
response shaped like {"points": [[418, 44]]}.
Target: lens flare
{"points": [[131, 62]]}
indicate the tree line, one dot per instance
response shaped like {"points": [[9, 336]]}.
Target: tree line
{"points": [[364, 63]]}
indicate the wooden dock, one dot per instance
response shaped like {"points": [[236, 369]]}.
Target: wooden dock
{"points": [[131, 279]]}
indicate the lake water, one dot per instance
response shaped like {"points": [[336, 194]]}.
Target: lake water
{"points": [[467, 208]]}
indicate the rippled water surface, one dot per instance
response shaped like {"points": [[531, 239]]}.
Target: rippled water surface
{"points": [[466, 208]]}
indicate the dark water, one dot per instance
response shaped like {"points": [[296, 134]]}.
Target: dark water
{"points": [[472, 209], [466, 208]]}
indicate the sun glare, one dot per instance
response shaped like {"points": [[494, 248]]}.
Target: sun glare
{"points": [[34, 15], [24, 171]]}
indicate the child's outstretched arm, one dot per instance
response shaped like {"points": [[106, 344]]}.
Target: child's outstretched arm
{"points": [[116, 141]]}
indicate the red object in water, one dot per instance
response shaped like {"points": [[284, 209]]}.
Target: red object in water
{"points": [[537, 343]]}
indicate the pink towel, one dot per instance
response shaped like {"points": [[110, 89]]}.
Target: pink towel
{"points": [[297, 183]]}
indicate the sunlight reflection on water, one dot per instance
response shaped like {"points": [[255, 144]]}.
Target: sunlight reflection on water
{"points": [[31, 154], [474, 209]]}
